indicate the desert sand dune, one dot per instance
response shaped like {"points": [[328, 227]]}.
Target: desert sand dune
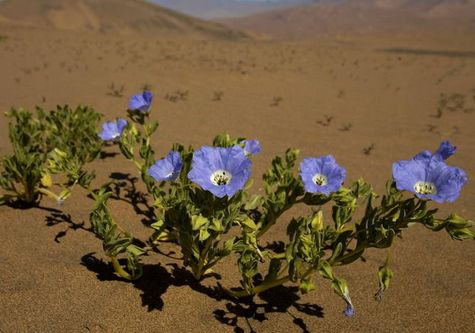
{"points": [[368, 99]]}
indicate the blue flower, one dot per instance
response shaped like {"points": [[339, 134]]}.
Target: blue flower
{"points": [[322, 174], [429, 177], [252, 147], [111, 130], [141, 102], [222, 171], [168, 168], [444, 152], [349, 310]]}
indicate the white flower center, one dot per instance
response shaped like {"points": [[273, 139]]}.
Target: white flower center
{"points": [[320, 180], [425, 188], [221, 177]]}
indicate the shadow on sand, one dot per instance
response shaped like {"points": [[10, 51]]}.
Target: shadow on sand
{"points": [[235, 311]]}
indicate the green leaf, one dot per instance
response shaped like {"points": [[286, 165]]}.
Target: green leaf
{"points": [[306, 286], [326, 270], [198, 221], [317, 221], [254, 202], [385, 275], [216, 225], [274, 269], [249, 223], [158, 225], [228, 246]]}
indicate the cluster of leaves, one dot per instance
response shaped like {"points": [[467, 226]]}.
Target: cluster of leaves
{"points": [[184, 213], [58, 142], [116, 242], [315, 246]]}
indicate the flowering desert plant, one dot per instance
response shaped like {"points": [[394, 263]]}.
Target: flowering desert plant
{"points": [[202, 199], [59, 142], [201, 195]]}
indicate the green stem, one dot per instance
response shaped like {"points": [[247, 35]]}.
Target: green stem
{"points": [[119, 270], [258, 289], [279, 255], [49, 193], [356, 252], [198, 273], [270, 221]]}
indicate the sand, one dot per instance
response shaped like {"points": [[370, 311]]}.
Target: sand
{"points": [[54, 277]]}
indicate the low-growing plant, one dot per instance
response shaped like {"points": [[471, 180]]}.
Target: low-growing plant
{"points": [[200, 195], [346, 127], [276, 101], [59, 142], [327, 119], [176, 96], [217, 96], [115, 91]]}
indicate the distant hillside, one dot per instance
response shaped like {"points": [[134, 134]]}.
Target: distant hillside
{"points": [[110, 16], [225, 8], [362, 16]]}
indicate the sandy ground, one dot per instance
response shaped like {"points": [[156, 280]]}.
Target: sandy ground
{"points": [[338, 96]]}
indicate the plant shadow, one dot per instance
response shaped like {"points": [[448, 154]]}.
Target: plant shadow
{"points": [[157, 278], [57, 217], [124, 188], [278, 299], [154, 282]]}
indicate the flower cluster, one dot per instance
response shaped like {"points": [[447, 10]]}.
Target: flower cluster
{"points": [[207, 195]]}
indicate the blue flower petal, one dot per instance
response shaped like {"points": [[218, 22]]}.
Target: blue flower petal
{"points": [[252, 147], [325, 167], [349, 310], [141, 102], [227, 165], [427, 169], [448, 182], [112, 130], [445, 150], [166, 169]]}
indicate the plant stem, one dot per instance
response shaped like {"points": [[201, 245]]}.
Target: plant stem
{"points": [[258, 289], [203, 258], [119, 270], [49, 194]]}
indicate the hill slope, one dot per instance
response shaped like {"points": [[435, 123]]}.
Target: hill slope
{"points": [[219, 8], [363, 16], [114, 16]]}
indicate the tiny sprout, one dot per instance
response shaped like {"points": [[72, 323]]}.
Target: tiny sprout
{"points": [[217, 96], [346, 127], [276, 101], [115, 91], [369, 149], [327, 119]]}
